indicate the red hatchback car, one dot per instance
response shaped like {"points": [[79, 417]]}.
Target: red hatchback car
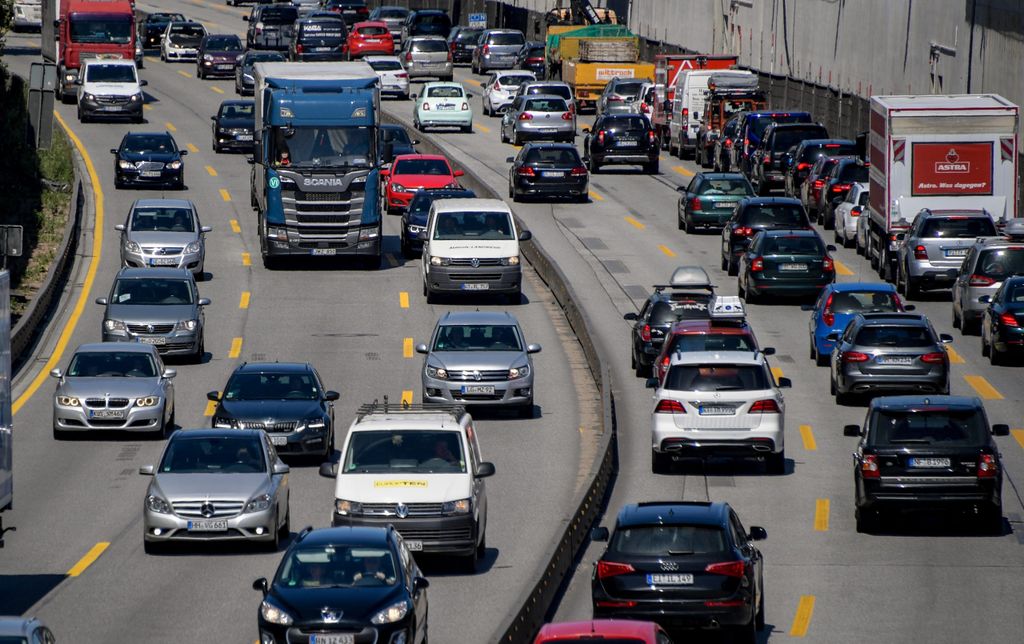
{"points": [[411, 172], [704, 335], [370, 38], [622, 631]]}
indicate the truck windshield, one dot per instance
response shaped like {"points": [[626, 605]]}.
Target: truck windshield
{"points": [[323, 147], [404, 451], [101, 28]]}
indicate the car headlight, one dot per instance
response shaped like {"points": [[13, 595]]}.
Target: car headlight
{"points": [[248, 77], [439, 261], [132, 247], [136, 97], [193, 247], [452, 186], [158, 505], [510, 261], [259, 504], [396, 187], [239, 58], [273, 614], [207, 57], [519, 372], [415, 230], [113, 325], [186, 325], [224, 423], [346, 508], [70, 76], [67, 401], [125, 165], [392, 613], [174, 165], [89, 97], [148, 401], [462, 506], [437, 372], [312, 423]]}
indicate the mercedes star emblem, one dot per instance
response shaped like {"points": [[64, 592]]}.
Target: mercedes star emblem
{"points": [[149, 327], [207, 510]]}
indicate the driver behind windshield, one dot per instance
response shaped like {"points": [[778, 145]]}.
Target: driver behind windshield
{"points": [[322, 147]]}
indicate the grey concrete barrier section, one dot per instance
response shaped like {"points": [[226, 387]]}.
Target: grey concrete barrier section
{"points": [[523, 621]]}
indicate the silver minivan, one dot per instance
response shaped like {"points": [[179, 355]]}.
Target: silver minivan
{"points": [[497, 49], [427, 56]]}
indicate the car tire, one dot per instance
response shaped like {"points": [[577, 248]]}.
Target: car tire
{"points": [[593, 166], [167, 429], [652, 167], [60, 435], [984, 346], [750, 296], [661, 463], [759, 622], [515, 196], [776, 463], [467, 129], [197, 358], [843, 399], [867, 521], [995, 356], [993, 520], [725, 263], [153, 547], [286, 527], [746, 634], [958, 322], [470, 562], [274, 544], [516, 139], [583, 198], [911, 287]]}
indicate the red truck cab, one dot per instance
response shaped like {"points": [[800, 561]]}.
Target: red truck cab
{"points": [[86, 29]]}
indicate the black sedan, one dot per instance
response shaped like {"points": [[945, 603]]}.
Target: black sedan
{"points": [[245, 82], [785, 262], [1002, 331], [151, 30], [219, 55], [752, 215], [709, 199], [531, 58], [234, 126], [927, 453], [623, 139], [684, 565], [286, 400], [414, 218], [548, 170], [399, 139], [149, 159], [345, 585]]}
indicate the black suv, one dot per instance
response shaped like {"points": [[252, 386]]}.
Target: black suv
{"points": [[151, 30], [462, 42], [927, 453], [685, 297], [807, 152], [149, 159], [531, 58], [756, 214], [355, 584], [621, 139], [772, 157], [287, 400], [318, 39], [270, 26], [684, 565]]}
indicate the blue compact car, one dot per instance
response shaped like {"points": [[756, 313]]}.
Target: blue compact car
{"points": [[839, 303]]}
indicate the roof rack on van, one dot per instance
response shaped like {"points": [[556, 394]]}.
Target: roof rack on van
{"points": [[687, 277], [377, 407]]}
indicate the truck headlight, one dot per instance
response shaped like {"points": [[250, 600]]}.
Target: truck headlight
{"points": [[347, 508], [367, 233], [158, 505], [259, 504], [193, 247], [148, 401], [174, 165], [67, 401], [273, 614], [437, 372], [125, 164], [462, 506], [519, 372], [186, 325], [132, 247], [439, 261], [510, 261], [113, 325], [392, 613], [280, 234]]}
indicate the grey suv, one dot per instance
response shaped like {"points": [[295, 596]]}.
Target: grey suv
{"points": [[164, 232], [989, 261], [935, 246], [497, 49], [618, 96], [479, 358], [890, 352]]}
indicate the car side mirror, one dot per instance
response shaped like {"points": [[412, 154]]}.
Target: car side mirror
{"points": [[101, 301], [599, 533], [329, 470], [525, 235], [833, 336], [757, 533], [183, 153], [143, 83], [630, 316], [415, 142], [985, 299], [785, 383], [422, 236], [585, 129], [533, 348], [204, 301], [119, 227], [213, 395], [830, 248], [851, 430], [651, 383], [213, 118], [484, 470], [169, 373], [56, 373], [768, 351], [484, 85], [945, 338], [331, 396], [420, 583], [510, 159], [250, 160], [261, 585], [245, 18], [459, 173], [681, 189], [206, 229], [281, 468], [421, 348], [113, 150], [1000, 430], [412, 96], [147, 470]]}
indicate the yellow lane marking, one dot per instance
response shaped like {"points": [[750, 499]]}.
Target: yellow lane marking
{"points": [[224, 195], [777, 373], [150, 59], [89, 558], [210, 408], [807, 435], [983, 387], [407, 348], [633, 222], [214, 88], [184, 73], [683, 171], [147, 107], [841, 268], [246, 259], [235, 228], [211, 171], [821, 507], [595, 196], [170, 127], [191, 148], [403, 299], [954, 357], [1018, 435], [407, 396], [482, 128], [90, 273], [668, 251], [236, 348], [243, 302], [802, 619]]}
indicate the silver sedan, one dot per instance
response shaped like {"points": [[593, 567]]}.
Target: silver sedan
{"points": [[541, 117], [164, 232], [114, 386], [216, 485]]}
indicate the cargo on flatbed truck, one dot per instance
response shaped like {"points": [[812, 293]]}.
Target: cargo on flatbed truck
{"points": [[953, 152], [588, 57], [315, 180]]}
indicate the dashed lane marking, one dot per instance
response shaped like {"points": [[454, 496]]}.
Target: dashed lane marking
{"points": [[1018, 435], [807, 436], [802, 619], [482, 128], [246, 259], [170, 127], [210, 408], [236, 348], [182, 72], [407, 348], [983, 387], [191, 148], [403, 299], [225, 195], [243, 302], [821, 509], [89, 558], [595, 196], [842, 269], [683, 171], [954, 357], [665, 249], [235, 228], [214, 88], [634, 223], [211, 171]]}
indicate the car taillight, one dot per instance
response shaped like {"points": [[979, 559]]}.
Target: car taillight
{"points": [[768, 159], [757, 265], [401, 75], [839, 187], [451, 47], [727, 568], [669, 407], [607, 569], [363, 11], [802, 165], [465, 106], [695, 204], [578, 171], [615, 603], [827, 316], [987, 466], [600, 137], [298, 48], [526, 171], [743, 231], [408, 57], [1009, 319], [766, 406], [449, 57], [566, 116], [645, 108], [486, 49], [818, 184], [935, 357], [728, 143], [828, 265], [614, 99], [645, 333], [746, 143], [855, 211], [497, 86], [920, 252], [855, 356], [650, 137], [535, 59], [869, 466], [526, 116], [981, 280]]}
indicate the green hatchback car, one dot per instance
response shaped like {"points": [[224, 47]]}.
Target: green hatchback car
{"points": [[709, 199], [443, 104]]}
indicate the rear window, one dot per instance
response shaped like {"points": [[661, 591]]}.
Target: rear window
{"points": [[506, 39], [711, 341], [774, 215], [628, 124], [430, 46], [793, 245], [785, 139], [279, 15], [554, 90], [374, 30], [714, 187], [655, 540], [433, 20], [863, 302], [758, 124], [392, 13], [445, 91], [515, 80], [547, 105], [716, 377], [862, 201], [535, 51], [999, 264], [904, 337], [468, 35], [630, 88], [556, 156], [223, 43], [937, 426], [958, 227], [682, 306], [385, 65], [853, 173], [840, 149]]}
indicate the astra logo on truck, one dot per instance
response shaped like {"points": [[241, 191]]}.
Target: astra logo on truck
{"points": [[953, 163], [952, 169]]}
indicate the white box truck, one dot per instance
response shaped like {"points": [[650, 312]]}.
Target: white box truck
{"points": [[942, 152]]}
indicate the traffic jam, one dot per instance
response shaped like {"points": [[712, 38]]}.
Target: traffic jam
{"points": [[926, 197]]}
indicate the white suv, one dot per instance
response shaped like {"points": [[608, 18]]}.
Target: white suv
{"points": [[110, 89], [719, 404]]}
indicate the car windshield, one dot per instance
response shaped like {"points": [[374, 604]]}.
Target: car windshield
{"points": [[164, 18], [546, 105], [624, 124], [101, 28], [958, 227], [337, 566], [399, 451], [736, 187], [660, 540], [188, 32], [272, 386], [904, 337], [939, 426], [110, 74], [223, 43], [373, 30], [711, 341], [793, 245], [1000, 263], [482, 337], [279, 15], [171, 220], [151, 290], [143, 143], [432, 45], [553, 156], [473, 225], [506, 39], [863, 302], [716, 377], [238, 111], [758, 124], [213, 455], [323, 147], [778, 215], [437, 167], [385, 65], [444, 91], [112, 364]]}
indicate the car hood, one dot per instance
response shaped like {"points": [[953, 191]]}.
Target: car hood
{"points": [[273, 409], [163, 238], [111, 89], [151, 313], [410, 487], [248, 124], [164, 157], [228, 487], [423, 180], [475, 248], [477, 360], [116, 387], [357, 605]]}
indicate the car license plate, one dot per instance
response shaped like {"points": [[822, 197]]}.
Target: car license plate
{"points": [[712, 410], [110, 108], [674, 579], [107, 413], [956, 252], [626, 141], [152, 340], [895, 360], [332, 638], [278, 440], [446, 107], [549, 173], [163, 261], [414, 546], [243, 137], [487, 390], [226, 66], [149, 173], [208, 525], [792, 267], [475, 286], [929, 462], [323, 48], [325, 251]]}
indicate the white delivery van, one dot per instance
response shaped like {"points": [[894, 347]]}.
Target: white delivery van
{"points": [[110, 89], [688, 104]]}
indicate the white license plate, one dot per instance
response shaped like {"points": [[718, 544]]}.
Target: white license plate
{"points": [[476, 287], [712, 410], [107, 413], [373, 40], [323, 48], [209, 525], [163, 261], [674, 579], [929, 462], [626, 141], [487, 390], [243, 137], [956, 252], [332, 638], [896, 360], [110, 109], [278, 440], [150, 340], [445, 108], [228, 66], [414, 546], [150, 173], [325, 251], [548, 173], [792, 267]]}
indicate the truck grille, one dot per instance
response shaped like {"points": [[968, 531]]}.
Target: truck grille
{"points": [[475, 277], [320, 207], [322, 219], [325, 244], [301, 195], [390, 509], [303, 208], [105, 403], [221, 508], [145, 328], [483, 261]]}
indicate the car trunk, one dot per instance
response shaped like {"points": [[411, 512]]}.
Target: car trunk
{"points": [[672, 577], [894, 361], [719, 410], [797, 267]]}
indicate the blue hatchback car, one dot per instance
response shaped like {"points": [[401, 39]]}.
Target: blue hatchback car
{"points": [[841, 302]]}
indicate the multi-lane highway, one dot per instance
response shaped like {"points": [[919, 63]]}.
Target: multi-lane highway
{"points": [[825, 582]]}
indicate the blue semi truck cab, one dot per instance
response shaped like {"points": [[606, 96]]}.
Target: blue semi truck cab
{"points": [[315, 181]]}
